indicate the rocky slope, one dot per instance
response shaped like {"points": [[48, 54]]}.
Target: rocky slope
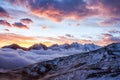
{"points": [[100, 64]]}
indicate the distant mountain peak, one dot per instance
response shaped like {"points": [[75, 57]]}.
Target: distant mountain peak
{"points": [[14, 46], [38, 47], [75, 45]]}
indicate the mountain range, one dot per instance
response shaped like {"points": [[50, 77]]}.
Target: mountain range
{"points": [[99, 64], [75, 45]]}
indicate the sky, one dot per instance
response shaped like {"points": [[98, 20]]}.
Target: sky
{"points": [[27, 22]]}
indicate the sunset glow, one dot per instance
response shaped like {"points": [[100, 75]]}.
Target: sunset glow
{"points": [[27, 22]]}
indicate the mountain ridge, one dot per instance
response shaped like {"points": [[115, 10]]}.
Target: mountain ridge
{"points": [[99, 64], [53, 47]]}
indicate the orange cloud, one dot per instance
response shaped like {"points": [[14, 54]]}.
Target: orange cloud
{"points": [[75, 9], [107, 39], [56, 10], [57, 15], [9, 38], [50, 14], [26, 41]]}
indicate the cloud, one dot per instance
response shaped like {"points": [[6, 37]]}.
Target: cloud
{"points": [[77, 24], [20, 58], [114, 31], [4, 13], [75, 9], [108, 9], [5, 23], [20, 25], [44, 27], [69, 35], [10, 38], [64, 39], [105, 40], [13, 59], [113, 7], [108, 39], [112, 21], [106, 35], [7, 30], [16, 24], [26, 21], [25, 41]]}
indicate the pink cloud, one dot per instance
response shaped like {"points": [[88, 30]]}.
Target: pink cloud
{"points": [[107, 9], [26, 20], [114, 31], [7, 30], [108, 39], [20, 25], [44, 27], [4, 13], [5, 23], [75, 9]]}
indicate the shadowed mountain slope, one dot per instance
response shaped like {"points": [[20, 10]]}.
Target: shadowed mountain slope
{"points": [[100, 64]]}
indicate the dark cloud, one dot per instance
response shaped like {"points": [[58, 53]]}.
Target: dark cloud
{"points": [[69, 35], [3, 13], [111, 21], [109, 9], [113, 7], [57, 10], [108, 38], [109, 6], [106, 35], [114, 39], [20, 25], [7, 30], [5, 23], [114, 31], [26, 20]]}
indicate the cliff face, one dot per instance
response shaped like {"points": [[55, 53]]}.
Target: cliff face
{"points": [[101, 64]]}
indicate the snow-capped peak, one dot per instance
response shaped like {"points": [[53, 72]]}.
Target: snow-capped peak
{"points": [[100, 64]]}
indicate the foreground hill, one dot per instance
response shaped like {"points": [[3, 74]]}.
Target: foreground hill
{"points": [[100, 64]]}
